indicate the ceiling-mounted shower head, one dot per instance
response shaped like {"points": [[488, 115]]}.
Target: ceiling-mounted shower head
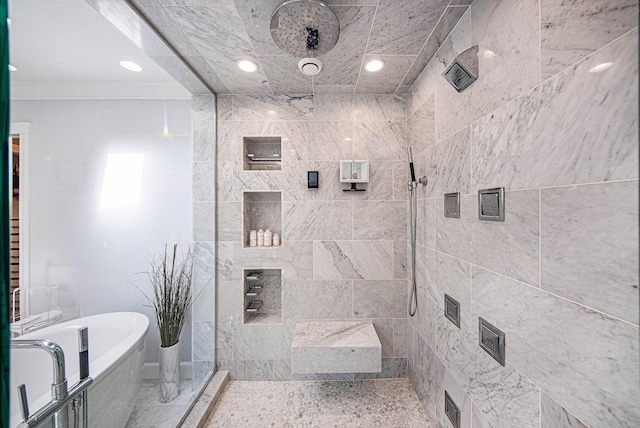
{"points": [[463, 71], [304, 28]]}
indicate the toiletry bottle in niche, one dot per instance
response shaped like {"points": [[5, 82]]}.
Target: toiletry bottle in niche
{"points": [[253, 238], [268, 238], [260, 238], [276, 239]]}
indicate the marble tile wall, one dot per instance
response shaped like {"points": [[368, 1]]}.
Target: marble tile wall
{"points": [[203, 119], [343, 254], [560, 275]]}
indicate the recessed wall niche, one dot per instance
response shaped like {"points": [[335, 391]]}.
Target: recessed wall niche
{"points": [[262, 296], [262, 210], [262, 153]]}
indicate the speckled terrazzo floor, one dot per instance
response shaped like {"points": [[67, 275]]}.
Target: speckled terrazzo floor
{"points": [[364, 403]]}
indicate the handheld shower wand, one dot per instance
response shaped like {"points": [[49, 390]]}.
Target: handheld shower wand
{"points": [[413, 299], [410, 156]]}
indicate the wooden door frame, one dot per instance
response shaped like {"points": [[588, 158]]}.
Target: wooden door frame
{"points": [[22, 130]]}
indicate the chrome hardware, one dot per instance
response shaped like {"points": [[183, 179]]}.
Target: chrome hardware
{"points": [[61, 395], [254, 291], [254, 306]]}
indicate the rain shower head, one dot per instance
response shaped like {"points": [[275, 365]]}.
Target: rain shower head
{"points": [[463, 71], [304, 28]]}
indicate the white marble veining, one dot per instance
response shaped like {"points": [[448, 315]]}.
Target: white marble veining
{"points": [[203, 254], [219, 44], [391, 368], [400, 338], [555, 416], [421, 127], [318, 299], [379, 220], [203, 224], [424, 320], [386, 80], [590, 246], [203, 181], [293, 257], [380, 140], [149, 412], [354, 107], [449, 19], [232, 132], [335, 347], [341, 65], [506, 397], [224, 188], [512, 70], [453, 277], [229, 221], [510, 247], [400, 28], [380, 299], [315, 140], [353, 260], [284, 76], [384, 330], [487, 16], [400, 261], [261, 342], [544, 336], [277, 107], [578, 127], [449, 165], [313, 220], [573, 30]]}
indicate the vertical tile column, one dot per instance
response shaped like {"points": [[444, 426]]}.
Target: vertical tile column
{"points": [[203, 118]]}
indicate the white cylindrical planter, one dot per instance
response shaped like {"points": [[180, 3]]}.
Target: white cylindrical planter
{"points": [[169, 373]]}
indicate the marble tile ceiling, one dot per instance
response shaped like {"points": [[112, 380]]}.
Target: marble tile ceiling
{"points": [[212, 35]]}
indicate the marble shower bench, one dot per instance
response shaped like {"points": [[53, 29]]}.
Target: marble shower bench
{"points": [[336, 347]]}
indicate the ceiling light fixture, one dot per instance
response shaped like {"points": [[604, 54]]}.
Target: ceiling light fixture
{"points": [[247, 66], [489, 54], [131, 66], [12, 68], [601, 67], [374, 65]]}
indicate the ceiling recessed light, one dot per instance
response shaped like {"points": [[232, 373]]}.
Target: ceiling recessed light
{"points": [[12, 68], [601, 67], [131, 66], [374, 65], [248, 66]]}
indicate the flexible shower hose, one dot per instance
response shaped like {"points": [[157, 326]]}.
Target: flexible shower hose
{"points": [[413, 206]]}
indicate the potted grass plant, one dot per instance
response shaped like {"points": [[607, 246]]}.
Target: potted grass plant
{"points": [[170, 279]]}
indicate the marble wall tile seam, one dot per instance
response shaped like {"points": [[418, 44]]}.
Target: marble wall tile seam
{"points": [[586, 56], [476, 265], [498, 25], [530, 91], [540, 289], [564, 408], [560, 186]]}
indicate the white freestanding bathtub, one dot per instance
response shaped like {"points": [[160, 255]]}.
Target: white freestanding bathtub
{"points": [[116, 355]]}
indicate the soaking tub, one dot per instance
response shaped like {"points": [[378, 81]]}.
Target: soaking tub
{"points": [[116, 355]]}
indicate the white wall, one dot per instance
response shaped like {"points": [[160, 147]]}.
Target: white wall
{"points": [[96, 252]]}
